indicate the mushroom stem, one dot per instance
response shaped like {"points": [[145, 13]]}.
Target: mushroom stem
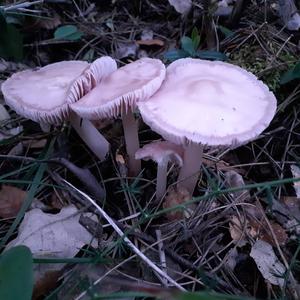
{"points": [[189, 172], [161, 180], [130, 127], [90, 135]]}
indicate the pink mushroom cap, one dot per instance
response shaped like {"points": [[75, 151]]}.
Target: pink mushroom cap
{"points": [[44, 94], [121, 90], [210, 103]]}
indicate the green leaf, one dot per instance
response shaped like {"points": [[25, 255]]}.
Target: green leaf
{"points": [[291, 74], [195, 38], [187, 45], [11, 40], [227, 32], [210, 55], [89, 55], [175, 54], [67, 32], [16, 274]]}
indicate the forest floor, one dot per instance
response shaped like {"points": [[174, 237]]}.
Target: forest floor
{"points": [[236, 238]]}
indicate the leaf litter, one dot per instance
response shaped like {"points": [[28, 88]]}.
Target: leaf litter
{"points": [[204, 240]]}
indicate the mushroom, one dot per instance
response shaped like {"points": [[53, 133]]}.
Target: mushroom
{"points": [[44, 95], [207, 103], [161, 152], [118, 93]]}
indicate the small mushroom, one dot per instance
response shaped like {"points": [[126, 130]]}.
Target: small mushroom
{"points": [[119, 93], [44, 95], [162, 153], [203, 103]]}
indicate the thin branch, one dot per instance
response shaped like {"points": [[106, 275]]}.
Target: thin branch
{"points": [[126, 240]]}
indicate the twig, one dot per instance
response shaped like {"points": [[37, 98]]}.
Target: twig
{"points": [[126, 240], [21, 6], [162, 255]]}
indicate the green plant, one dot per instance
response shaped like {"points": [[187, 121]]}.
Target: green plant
{"points": [[189, 48], [11, 40], [16, 274], [292, 74], [67, 32]]}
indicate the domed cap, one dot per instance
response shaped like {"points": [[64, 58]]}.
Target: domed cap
{"points": [[136, 81], [44, 94], [211, 103]]}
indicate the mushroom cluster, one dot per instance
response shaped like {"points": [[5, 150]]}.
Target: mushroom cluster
{"points": [[192, 104]]}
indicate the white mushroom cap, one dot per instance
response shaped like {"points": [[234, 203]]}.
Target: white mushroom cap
{"points": [[91, 77], [44, 94], [161, 152], [40, 94], [121, 90], [212, 103]]}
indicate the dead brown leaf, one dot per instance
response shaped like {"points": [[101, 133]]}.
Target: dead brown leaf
{"points": [[11, 199], [152, 42], [240, 228], [176, 196], [45, 284]]}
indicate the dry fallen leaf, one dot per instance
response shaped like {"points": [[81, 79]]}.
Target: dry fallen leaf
{"points": [[52, 235], [237, 232], [153, 42], [176, 196], [255, 229], [11, 199], [121, 165], [267, 262], [45, 284]]}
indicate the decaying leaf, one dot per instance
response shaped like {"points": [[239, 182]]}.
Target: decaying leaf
{"points": [[45, 284], [296, 174], [11, 199], [176, 196], [267, 262], [181, 6], [153, 42], [121, 165], [52, 235], [239, 230], [148, 40]]}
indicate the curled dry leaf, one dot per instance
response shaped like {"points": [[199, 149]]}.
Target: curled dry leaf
{"points": [[176, 196], [153, 42], [11, 199], [267, 262]]}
